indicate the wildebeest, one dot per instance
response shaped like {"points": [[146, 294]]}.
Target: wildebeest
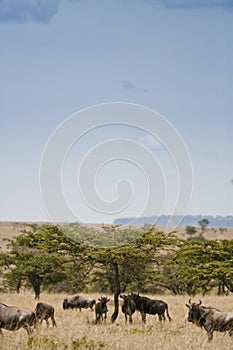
{"points": [[13, 318], [78, 302], [150, 306], [210, 318], [101, 309], [128, 307], [45, 311]]}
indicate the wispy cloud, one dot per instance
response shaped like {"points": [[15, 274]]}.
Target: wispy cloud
{"points": [[131, 87], [44, 10], [28, 10], [192, 4], [176, 4]]}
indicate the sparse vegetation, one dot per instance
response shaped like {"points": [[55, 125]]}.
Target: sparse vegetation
{"points": [[191, 230]]}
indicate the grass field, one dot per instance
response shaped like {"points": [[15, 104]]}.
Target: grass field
{"points": [[76, 330]]}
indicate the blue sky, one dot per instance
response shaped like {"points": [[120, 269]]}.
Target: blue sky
{"points": [[59, 57]]}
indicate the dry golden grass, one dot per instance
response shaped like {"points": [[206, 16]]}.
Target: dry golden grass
{"points": [[76, 330]]}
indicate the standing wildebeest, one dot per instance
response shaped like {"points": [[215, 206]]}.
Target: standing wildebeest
{"points": [[78, 302], [211, 319], [45, 311], [150, 306], [100, 309], [128, 307], [13, 318]]}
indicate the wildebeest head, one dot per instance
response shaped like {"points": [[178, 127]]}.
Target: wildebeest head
{"points": [[65, 304], [103, 301], [194, 314], [136, 297], [128, 300], [126, 297]]}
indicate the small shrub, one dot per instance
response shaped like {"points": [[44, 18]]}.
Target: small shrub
{"points": [[190, 230], [84, 343]]}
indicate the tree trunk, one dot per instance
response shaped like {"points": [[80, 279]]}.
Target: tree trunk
{"points": [[116, 293], [35, 282], [18, 285]]}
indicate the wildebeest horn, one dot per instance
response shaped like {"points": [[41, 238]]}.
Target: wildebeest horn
{"points": [[199, 302], [190, 301]]}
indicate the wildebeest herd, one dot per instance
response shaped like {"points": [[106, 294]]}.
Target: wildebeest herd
{"points": [[211, 319]]}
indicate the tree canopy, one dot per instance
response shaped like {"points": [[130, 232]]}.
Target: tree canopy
{"points": [[142, 259]]}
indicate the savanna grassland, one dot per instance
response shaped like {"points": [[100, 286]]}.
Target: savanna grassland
{"points": [[76, 330]]}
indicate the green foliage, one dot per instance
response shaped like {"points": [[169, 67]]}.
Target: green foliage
{"points": [[85, 343], [203, 223], [44, 256], [191, 230], [45, 343], [200, 266], [104, 236], [137, 262], [199, 238]]}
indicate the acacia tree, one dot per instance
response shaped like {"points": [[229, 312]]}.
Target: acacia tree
{"points": [[200, 266], [203, 223], [44, 256], [138, 260]]}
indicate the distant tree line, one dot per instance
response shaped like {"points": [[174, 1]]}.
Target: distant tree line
{"points": [[187, 220]]}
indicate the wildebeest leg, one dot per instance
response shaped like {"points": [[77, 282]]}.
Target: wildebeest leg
{"points": [[210, 336], [130, 319], [168, 314], [53, 321], [143, 316], [47, 321], [231, 333], [162, 317], [28, 329], [125, 318]]}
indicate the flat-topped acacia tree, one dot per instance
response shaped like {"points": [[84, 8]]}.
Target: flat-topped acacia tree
{"points": [[138, 258], [43, 256]]}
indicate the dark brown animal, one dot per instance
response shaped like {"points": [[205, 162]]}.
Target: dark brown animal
{"points": [[128, 307], [45, 311], [150, 306], [78, 302], [101, 309], [210, 318], [13, 318]]}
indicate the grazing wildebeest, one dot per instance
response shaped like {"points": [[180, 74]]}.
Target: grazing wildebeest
{"points": [[150, 306], [13, 318], [45, 311], [128, 307], [78, 302], [101, 309], [210, 318]]}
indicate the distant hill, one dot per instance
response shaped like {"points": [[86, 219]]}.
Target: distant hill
{"points": [[187, 220]]}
